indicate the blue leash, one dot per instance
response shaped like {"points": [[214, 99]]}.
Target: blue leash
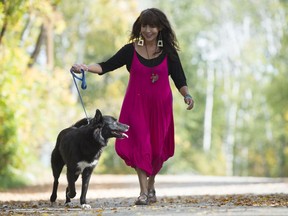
{"points": [[83, 79], [83, 86]]}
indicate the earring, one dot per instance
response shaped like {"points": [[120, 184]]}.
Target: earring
{"points": [[140, 41], [160, 41]]}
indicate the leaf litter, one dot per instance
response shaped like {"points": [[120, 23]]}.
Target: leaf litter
{"points": [[114, 205]]}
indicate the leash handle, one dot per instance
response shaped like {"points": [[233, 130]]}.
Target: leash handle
{"points": [[82, 79], [83, 86]]}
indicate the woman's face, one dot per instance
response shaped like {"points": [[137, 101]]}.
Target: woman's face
{"points": [[149, 33]]}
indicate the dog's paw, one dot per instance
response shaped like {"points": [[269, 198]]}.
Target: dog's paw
{"points": [[53, 204], [85, 206], [68, 205]]}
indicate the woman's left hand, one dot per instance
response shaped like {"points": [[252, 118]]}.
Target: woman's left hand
{"points": [[189, 101]]}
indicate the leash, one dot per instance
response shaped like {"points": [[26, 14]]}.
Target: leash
{"points": [[83, 86]]}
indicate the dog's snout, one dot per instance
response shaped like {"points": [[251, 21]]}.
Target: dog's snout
{"points": [[126, 127]]}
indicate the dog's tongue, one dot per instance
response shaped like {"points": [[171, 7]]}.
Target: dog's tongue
{"points": [[124, 135]]}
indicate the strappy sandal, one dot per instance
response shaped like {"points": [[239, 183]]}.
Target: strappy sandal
{"points": [[152, 196], [142, 200]]}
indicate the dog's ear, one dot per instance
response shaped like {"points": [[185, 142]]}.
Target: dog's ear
{"points": [[98, 116]]}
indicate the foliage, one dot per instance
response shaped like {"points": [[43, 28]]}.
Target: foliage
{"points": [[233, 53], [29, 100], [36, 97], [237, 50]]}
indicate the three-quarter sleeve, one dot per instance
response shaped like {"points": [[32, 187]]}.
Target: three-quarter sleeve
{"points": [[176, 72], [122, 57]]}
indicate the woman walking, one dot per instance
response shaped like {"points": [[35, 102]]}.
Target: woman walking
{"points": [[150, 57]]}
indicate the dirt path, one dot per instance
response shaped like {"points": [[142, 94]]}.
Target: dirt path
{"points": [[177, 195]]}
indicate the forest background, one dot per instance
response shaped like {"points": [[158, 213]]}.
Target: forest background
{"points": [[234, 54]]}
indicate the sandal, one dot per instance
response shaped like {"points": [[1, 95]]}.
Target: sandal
{"points": [[142, 200], [152, 196]]}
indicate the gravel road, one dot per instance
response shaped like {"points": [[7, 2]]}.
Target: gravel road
{"points": [[177, 195]]}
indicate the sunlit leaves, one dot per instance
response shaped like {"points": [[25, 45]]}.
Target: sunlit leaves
{"points": [[245, 42], [167, 205]]}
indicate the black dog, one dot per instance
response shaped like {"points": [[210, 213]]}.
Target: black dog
{"points": [[80, 147]]}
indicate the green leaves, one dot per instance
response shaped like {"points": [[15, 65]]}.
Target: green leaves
{"points": [[243, 45]]}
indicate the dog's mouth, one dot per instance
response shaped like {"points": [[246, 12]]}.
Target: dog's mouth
{"points": [[121, 131], [119, 134]]}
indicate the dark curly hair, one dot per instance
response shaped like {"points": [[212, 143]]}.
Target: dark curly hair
{"points": [[156, 18]]}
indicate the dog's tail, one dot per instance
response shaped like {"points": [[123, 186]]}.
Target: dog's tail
{"points": [[81, 123]]}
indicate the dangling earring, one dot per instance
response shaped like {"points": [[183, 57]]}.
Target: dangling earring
{"points": [[140, 41], [160, 41]]}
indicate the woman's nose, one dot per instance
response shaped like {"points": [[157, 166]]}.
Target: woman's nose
{"points": [[147, 29]]}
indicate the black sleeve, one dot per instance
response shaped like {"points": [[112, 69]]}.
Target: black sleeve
{"points": [[122, 57], [176, 72]]}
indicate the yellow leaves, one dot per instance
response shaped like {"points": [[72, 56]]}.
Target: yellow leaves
{"points": [[262, 200], [286, 116], [165, 204], [269, 200], [99, 212]]}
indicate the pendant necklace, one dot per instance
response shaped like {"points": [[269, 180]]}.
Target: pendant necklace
{"points": [[154, 76]]}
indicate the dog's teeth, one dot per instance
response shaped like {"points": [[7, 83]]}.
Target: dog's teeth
{"points": [[125, 135]]}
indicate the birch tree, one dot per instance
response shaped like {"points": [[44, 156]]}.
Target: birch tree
{"points": [[239, 40]]}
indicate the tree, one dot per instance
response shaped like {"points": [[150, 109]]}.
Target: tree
{"points": [[231, 46], [26, 93], [38, 45]]}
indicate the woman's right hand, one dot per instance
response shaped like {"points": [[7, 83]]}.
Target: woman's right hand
{"points": [[76, 68]]}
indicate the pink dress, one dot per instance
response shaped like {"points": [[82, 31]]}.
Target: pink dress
{"points": [[147, 109]]}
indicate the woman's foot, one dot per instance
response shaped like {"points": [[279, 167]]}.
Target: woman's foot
{"points": [[152, 196], [142, 200]]}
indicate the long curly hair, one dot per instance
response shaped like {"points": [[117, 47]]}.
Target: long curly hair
{"points": [[156, 18]]}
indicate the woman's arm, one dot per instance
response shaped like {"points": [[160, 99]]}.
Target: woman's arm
{"points": [[122, 57], [93, 68], [178, 76], [187, 97]]}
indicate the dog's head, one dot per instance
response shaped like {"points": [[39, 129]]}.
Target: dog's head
{"points": [[108, 127]]}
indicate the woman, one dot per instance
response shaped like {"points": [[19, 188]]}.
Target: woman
{"points": [[150, 57]]}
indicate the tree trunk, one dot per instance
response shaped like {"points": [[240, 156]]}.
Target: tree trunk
{"points": [[38, 44], [49, 44], [4, 27], [231, 117], [208, 108], [230, 139]]}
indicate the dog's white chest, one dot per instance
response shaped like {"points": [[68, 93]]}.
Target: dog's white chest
{"points": [[84, 164]]}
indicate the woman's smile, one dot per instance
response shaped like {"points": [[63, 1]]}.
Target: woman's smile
{"points": [[149, 33]]}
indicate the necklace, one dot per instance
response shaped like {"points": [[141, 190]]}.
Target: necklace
{"points": [[154, 76]]}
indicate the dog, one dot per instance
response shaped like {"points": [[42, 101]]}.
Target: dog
{"points": [[79, 147]]}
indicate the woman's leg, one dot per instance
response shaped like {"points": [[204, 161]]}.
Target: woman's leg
{"points": [[142, 177], [151, 181], [151, 189]]}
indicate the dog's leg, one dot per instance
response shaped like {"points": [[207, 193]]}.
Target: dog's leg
{"points": [[71, 190], [68, 200], [57, 165], [86, 175]]}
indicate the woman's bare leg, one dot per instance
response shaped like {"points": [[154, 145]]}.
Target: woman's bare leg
{"points": [[142, 177], [151, 181], [151, 189]]}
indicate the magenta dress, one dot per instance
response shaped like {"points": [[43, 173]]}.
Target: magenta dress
{"points": [[147, 108]]}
